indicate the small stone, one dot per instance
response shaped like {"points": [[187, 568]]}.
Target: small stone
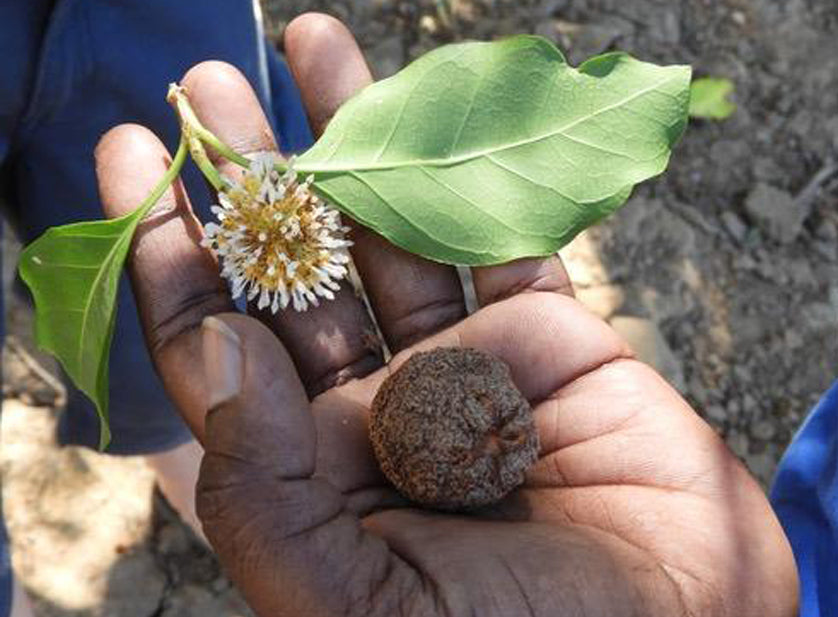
{"points": [[762, 465], [827, 250], [742, 373], [775, 213], [220, 584], [172, 539], [734, 225], [738, 443], [136, 585], [801, 274], [763, 430], [697, 389], [827, 230], [451, 431], [672, 229], [428, 24], [818, 316], [766, 169], [717, 413], [644, 337], [662, 306], [639, 215]]}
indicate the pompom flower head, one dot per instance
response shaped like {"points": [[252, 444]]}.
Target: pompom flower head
{"points": [[278, 242]]}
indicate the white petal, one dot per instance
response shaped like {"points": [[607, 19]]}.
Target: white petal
{"points": [[284, 297], [238, 287], [225, 201], [264, 299]]}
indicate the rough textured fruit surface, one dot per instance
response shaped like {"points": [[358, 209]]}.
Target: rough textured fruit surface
{"points": [[451, 431]]}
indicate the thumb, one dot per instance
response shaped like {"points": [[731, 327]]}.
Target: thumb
{"points": [[282, 534]]}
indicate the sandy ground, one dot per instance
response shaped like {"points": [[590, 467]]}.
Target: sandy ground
{"points": [[724, 274]]}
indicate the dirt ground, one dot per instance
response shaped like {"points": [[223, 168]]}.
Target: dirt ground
{"points": [[724, 274]]}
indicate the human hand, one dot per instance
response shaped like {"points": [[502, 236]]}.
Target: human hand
{"points": [[635, 507]]}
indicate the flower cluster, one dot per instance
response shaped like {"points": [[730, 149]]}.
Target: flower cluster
{"points": [[278, 241]]}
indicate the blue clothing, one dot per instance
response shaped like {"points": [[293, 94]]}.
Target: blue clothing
{"points": [[805, 497], [72, 69]]}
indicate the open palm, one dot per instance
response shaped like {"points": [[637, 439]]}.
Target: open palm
{"points": [[634, 508]]}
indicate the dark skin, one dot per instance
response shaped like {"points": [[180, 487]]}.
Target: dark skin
{"points": [[635, 507]]}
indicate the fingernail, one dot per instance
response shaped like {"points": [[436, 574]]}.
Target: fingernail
{"points": [[222, 361]]}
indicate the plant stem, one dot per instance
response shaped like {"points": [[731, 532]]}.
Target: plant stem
{"points": [[193, 127], [167, 179]]}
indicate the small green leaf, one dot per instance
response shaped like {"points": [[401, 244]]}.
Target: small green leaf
{"points": [[709, 98], [73, 273], [481, 153]]}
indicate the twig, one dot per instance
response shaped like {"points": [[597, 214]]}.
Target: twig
{"points": [[33, 365], [693, 218], [806, 197]]}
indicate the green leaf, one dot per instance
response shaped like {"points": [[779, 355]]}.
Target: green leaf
{"points": [[73, 273], [481, 153], [709, 98]]}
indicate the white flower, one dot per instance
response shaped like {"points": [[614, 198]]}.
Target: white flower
{"points": [[277, 241]]}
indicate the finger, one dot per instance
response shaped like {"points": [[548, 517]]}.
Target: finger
{"points": [[329, 344], [494, 283], [412, 297], [284, 536], [175, 280], [548, 340]]}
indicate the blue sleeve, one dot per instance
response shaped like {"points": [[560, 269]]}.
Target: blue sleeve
{"points": [[22, 26], [805, 497]]}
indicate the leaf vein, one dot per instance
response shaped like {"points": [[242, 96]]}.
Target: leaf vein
{"points": [[453, 191], [377, 165], [415, 226]]}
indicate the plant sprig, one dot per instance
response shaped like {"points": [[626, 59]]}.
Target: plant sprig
{"points": [[475, 154]]}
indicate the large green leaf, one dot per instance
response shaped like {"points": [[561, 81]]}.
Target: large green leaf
{"points": [[480, 153], [73, 272]]}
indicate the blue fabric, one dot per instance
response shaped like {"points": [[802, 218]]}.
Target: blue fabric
{"points": [[70, 75], [5, 570], [805, 497]]}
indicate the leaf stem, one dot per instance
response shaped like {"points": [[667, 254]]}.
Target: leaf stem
{"points": [[167, 179]]}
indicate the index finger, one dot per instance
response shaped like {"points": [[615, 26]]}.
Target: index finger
{"points": [[175, 280], [547, 339]]}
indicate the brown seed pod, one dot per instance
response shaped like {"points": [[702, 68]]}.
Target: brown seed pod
{"points": [[451, 431]]}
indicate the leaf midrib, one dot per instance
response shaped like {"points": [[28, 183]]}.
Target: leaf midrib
{"points": [[451, 161], [89, 300]]}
